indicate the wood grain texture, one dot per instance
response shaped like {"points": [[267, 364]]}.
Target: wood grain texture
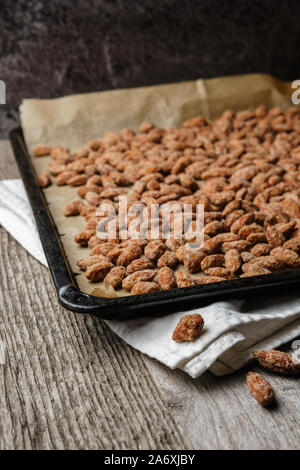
{"points": [[8, 165], [220, 413], [69, 382]]}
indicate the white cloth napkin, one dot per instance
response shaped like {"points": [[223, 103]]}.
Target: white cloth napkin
{"points": [[232, 328]]}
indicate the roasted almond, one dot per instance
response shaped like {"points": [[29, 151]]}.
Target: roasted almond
{"points": [[188, 328], [44, 180], [260, 389], [97, 272], [144, 288], [42, 150], [276, 361]]}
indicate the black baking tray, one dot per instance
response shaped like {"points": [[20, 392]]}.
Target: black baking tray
{"points": [[72, 298]]}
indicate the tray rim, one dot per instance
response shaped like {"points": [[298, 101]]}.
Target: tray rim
{"points": [[72, 298]]}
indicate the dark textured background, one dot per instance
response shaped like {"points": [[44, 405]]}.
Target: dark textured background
{"points": [[58, 47]]}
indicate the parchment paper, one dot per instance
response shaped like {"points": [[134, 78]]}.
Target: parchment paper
{"points": [[73, 121]]}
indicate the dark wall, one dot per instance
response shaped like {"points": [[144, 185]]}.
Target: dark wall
{"points": [[56, 47]]}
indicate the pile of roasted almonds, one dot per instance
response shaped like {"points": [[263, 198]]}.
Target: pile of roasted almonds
{"points": [[244, 169]]}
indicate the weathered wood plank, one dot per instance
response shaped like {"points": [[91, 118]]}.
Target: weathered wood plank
{"points": [[69, 382], [220, 413], [8, 165]]}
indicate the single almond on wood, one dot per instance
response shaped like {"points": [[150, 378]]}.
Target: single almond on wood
{"points": [[189, 328], [277, 361], [260, 388]]}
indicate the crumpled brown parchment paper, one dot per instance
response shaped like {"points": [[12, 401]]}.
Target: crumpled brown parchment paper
{"points": [[73, 121]]}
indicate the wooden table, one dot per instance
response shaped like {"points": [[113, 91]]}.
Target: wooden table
{"points": [[70, 383]]}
